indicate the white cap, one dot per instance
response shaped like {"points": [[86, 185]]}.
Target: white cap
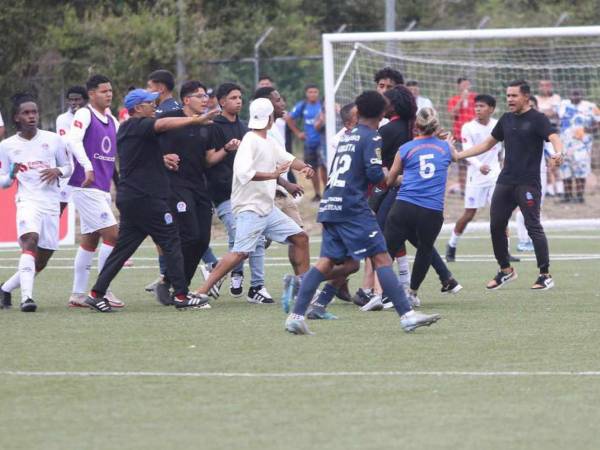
{"points": [[260, 111]]}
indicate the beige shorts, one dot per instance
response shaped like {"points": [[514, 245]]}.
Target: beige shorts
{"points": [[289, 207]]}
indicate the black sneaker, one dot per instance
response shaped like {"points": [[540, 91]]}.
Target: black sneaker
{"points": [[512, 258], [451, 287], [362, 297], [162, 291], [192, 301], [28, 305], [259, 295], [236, 287], [501, 279], [450, 253], [98, 304], [543, 282], [5, 300], [343, 292]]}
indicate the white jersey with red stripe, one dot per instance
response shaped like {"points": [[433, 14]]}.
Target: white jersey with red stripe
{"points": [[45, 151]]}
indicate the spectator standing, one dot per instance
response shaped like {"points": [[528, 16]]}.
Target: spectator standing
{"points": [[422, 102]]}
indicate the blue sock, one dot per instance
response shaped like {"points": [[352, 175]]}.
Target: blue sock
{"points": [[310, 282], [391, 287], [326, 295], [162, 265], [209, 257]]}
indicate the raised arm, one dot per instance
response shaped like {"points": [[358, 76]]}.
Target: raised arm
{"points": [[478, 149], [172, 123]]}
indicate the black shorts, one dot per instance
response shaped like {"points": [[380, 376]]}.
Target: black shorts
{"points": [[193, 214]]}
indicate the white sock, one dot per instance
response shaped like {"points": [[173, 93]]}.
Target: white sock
{"points": [[26, 275], [453, 239], [550, 189], [81, 273], [560, 187], [105, 250], [12, 283], [521, 230], [403, 270]]}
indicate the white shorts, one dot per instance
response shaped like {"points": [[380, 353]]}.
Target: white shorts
{"points": [[95, 209], [31, 218], [478, 196]]}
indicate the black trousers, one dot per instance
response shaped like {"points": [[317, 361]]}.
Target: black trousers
{"points": [[420, 226], [139, 219], [504, 201]]}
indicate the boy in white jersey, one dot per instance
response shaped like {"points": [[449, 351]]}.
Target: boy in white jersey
{"points": [[93, 143], [483, 170], [36, 159], [77, 97]]}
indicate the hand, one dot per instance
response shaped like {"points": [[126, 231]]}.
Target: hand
{"points": [[16, 168], [557, 159], [281, 169], [308, 172], [89, 178], [301, 135], [171, 161], [206, 118], [485, 169], [49, 175], [232, 145], [294, 189]]}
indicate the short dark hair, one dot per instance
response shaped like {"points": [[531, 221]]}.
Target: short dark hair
{"points": [[94, 81], [392, 74], [370, 104], [345, 112], [310, 86], [403, 102], [461, 79], [163, 76], [263, 92], [410, 83], [534, 100], [78, 90], [523, 86], [17, 100], [265, 77], [190, 87], [225, 88], [487, 99]]}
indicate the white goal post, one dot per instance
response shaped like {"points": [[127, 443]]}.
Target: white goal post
{"points": [[492, 57]]}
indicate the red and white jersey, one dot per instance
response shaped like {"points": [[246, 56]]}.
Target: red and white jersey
{"points": [[45, 151], [63, 123], [474, 133]]}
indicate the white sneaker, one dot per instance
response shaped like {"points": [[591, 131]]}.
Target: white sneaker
{"points": [[375, 304], [113, 300], [77, 301], [413, 320], [259, 295], [236, 287]]}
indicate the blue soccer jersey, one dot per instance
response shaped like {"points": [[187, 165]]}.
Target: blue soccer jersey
{"points": [[357, 163], [425, 162]]}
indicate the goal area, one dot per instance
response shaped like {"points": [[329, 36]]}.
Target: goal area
{"points": [[567, 56]]}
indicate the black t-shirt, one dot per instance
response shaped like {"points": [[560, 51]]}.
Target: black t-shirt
{"points": [[220, 176], [143, 173], [191, 144], [393, 134], [523, 136]]}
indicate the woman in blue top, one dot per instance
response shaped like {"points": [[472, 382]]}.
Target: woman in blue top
{"points": [[418, 212]]}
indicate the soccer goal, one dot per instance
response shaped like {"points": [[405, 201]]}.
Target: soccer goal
{"points": [[569, 57]]}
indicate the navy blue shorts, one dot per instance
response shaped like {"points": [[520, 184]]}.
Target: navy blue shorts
{"points": [[356, 238], [313, 155]]}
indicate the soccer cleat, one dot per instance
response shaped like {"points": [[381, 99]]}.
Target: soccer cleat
{"points": [[192, 301], [543, 282], [113, 300], [374, 304], [150, 287], [77, 301], [362, 297], [318, 312], [450, 287], [297, 326], [413, 299], [512, 258], [5, 299], [343, 292], [387, 303], [98, 304], [28, 305], [501, 279], [259, 295], [410, 322], [162, 291], [236, 288], [290, 289], [450, 253], [526, 246]]}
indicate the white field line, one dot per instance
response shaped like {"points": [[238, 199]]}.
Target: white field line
{"points": [[441, 374]]}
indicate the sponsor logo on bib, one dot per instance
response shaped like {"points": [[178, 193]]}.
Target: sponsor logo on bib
{"points": [[181, 207], [168, 218]]}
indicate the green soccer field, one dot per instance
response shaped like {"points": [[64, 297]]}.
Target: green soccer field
{"points": [[501, 370]]}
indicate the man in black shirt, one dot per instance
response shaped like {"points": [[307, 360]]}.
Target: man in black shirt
{"points": [[142, 198], [523, 131]]}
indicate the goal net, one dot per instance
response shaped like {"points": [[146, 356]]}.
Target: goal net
{"points": [[490, 59]]}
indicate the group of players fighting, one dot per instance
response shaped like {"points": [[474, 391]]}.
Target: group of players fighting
{"points": [[179, 161]]}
